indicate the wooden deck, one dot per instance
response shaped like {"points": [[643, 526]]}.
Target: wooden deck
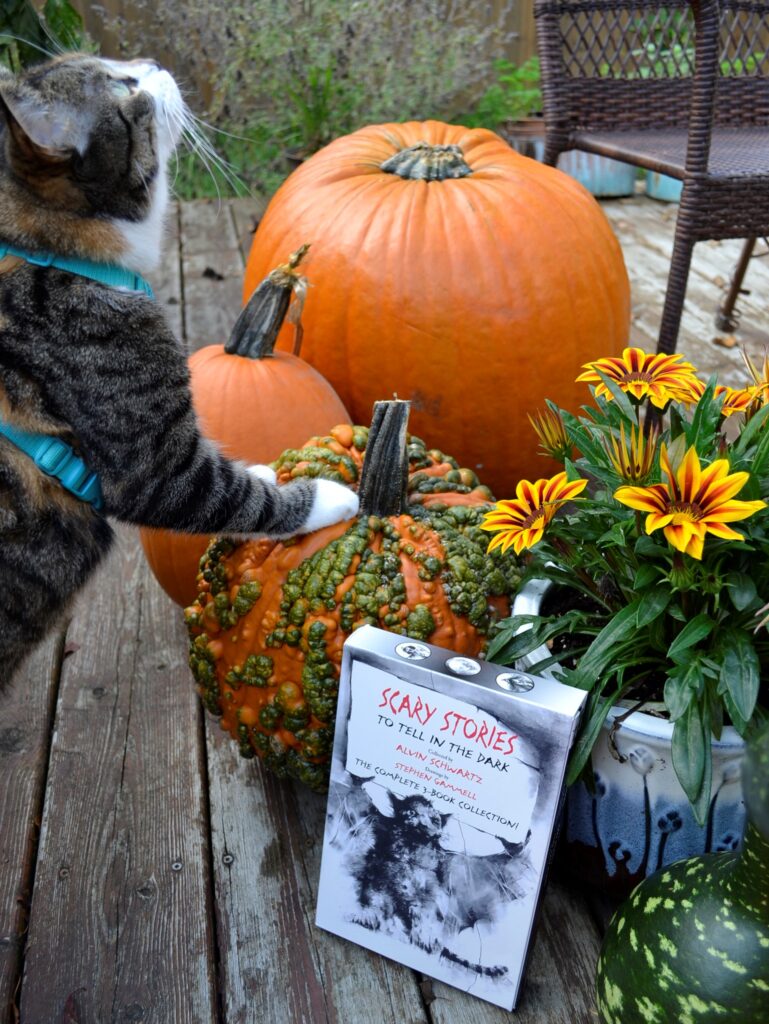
{"points": [[147, 873]]}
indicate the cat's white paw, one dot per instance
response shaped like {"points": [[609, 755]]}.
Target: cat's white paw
{"points": [[265, 473], [333, 504]]}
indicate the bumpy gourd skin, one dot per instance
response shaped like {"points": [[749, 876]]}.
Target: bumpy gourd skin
{"points": [[691, 945], [268, 627]]}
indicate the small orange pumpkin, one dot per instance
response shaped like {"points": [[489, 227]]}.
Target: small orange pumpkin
{"points": [[268, 627], [453, 272], [255, 402]]}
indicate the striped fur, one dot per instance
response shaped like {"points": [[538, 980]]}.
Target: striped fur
{"points": [[83, 146]]}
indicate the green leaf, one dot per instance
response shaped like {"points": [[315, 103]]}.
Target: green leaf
{"points": [[706, 417], [694, 631], [691, 755], [682, 686], [653, 603], [602, 650], [741, 590], [593, 719], [614, 537], [646, 574], [739, 723], [581, 439], [758, 463], [647, 547], [740, 671], [751, 431], [675, 611], [619, 396]]}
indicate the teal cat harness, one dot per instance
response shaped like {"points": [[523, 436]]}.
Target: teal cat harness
{"points": [[50, 454], [56, 458], [104, 273]]}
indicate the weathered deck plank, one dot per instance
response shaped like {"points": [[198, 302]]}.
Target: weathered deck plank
{"points": [[167, 279], [26, 714], [275, 964], [246, 214], [119, 926], [212, 268]]}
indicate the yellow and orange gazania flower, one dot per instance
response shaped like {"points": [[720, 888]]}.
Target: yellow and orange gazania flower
{"points": [[735, 399], [633, 457], [550, 430], [661, 378], [692, 503], [760, 381], [521, 521]]}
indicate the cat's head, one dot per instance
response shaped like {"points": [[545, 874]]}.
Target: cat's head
{"points": [[85, 146]]}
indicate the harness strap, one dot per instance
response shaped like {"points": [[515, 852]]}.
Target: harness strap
{"points": [[105, 273], [56, 458], [50, 454]]}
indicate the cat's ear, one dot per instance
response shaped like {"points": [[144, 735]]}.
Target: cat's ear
{"points": [[54, 129]]}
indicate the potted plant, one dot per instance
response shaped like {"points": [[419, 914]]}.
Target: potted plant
{"points": [[656, 543]]}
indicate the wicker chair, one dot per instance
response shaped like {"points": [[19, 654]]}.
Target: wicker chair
{"points": [[679, 87]]}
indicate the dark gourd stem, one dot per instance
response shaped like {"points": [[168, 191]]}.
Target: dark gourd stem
{"points": [[384, 478], [423, 162], [256, 329]]}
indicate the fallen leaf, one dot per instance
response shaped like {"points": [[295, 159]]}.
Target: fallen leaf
{"points": [[725, 340]]}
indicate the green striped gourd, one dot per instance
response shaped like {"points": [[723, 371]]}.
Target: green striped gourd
{"points": [[691, 945]]}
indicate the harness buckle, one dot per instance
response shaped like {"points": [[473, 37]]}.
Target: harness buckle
{"points": [[54, 457]]}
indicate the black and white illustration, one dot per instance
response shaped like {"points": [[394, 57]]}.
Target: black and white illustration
{"points": [[440, 813]]}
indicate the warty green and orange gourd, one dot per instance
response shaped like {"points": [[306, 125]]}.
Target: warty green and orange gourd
{"points": [[267, 630]]}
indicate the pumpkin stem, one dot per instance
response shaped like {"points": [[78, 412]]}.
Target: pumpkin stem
{"points": [[423, 162], [384, 478], [256, 329]]}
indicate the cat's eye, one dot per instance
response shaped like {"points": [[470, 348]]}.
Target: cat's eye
{"points": [[120, 88]]}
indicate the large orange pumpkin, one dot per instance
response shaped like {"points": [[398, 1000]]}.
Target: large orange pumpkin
{"points": [[268, 627], [451, 271], [254, 402]]}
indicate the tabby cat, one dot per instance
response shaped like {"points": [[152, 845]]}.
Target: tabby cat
{"points": [[84, 144]]}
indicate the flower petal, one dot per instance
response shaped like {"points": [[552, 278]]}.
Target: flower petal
{"points": [[654, 498]]}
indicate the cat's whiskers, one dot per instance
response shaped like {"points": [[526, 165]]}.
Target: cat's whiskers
{"points": [[48, 54], [200, 146]]}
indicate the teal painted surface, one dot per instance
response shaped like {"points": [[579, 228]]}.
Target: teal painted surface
{"points": [[662, 186], [600, 175]]}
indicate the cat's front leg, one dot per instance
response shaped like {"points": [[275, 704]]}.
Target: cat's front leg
{"points": [[332, 502]]}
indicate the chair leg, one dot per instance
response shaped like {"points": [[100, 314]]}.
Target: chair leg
{"points": [[726, 318], [678, 275]]}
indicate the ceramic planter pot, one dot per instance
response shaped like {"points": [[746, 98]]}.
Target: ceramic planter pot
{"points": [[662, 186], [639, 819], [526, 136], [603, 177]]}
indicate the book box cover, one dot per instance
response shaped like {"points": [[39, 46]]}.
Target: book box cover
{"points": [[446, 782]]}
